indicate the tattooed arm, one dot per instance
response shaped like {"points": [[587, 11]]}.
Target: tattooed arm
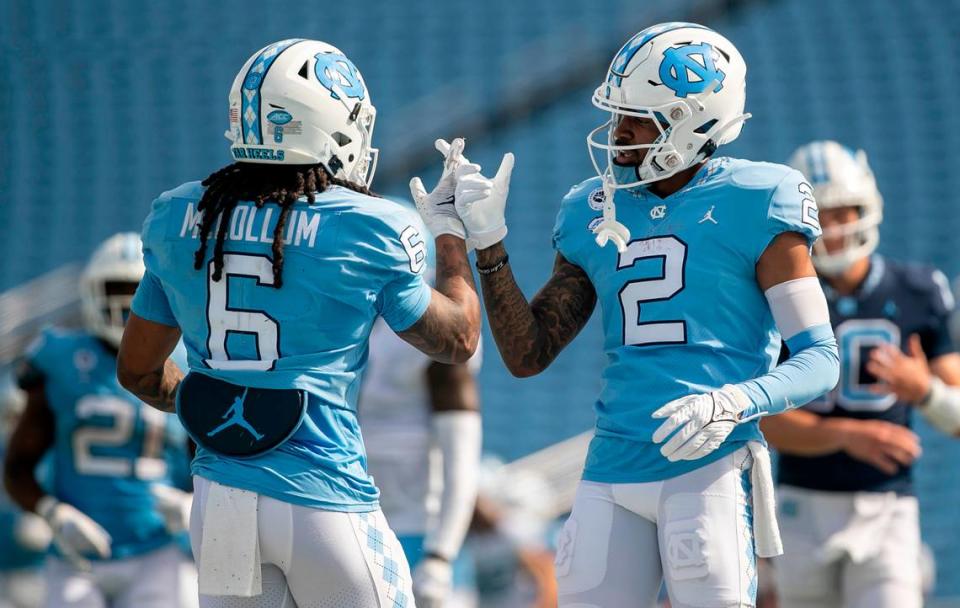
{"points": [[143, 366], [448, 331], [530, 336]]}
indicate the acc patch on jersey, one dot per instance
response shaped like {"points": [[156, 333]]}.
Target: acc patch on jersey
{"points": [[235, 420], [597, 199]]}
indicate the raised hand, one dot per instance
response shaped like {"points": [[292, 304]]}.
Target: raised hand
{"points": [[437, 207], [481, 202]]}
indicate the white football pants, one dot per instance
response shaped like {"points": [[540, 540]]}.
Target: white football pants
{"points": [[158, 579], [849, 549], [694, 532], [312, 558]]}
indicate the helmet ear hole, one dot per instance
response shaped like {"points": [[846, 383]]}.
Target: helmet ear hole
{"points": [[350, 158], [341, 138], [303, 71]]}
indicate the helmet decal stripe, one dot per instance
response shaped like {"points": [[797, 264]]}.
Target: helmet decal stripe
{"points": [[250, 90], [622, 60]]}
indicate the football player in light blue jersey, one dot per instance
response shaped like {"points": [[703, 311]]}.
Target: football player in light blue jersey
{"points": [[108, 454], [710, 269], [274, 270]]}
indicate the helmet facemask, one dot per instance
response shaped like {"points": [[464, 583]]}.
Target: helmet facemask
{"points": [[107, 307], [860, 238]]}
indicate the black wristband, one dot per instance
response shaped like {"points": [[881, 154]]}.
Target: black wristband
{"points": [[495, 268]]}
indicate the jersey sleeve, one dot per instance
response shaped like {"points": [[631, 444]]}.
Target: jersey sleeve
{"points": [[150, 302], [936, 338], [572, 229], [402, 256], [791, 208], [32, 368]]}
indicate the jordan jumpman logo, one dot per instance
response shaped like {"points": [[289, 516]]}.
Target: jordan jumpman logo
{"points": [[234, 416]]}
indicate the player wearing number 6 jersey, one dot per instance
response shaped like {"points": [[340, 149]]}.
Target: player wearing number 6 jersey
{"points": [[274, 269], [851, 527], [709, 268], [110, 454]]}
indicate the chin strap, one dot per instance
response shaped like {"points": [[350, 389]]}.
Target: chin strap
{"points": [[610, 229]]}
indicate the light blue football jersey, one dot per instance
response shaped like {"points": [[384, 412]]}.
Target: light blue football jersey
{"points": [[109, 447], [682, 311], [348, 258]]}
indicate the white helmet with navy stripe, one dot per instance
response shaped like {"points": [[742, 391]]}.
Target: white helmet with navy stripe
{"points": [[303, 102], [107, 285], [690, 81], [841, 177]]}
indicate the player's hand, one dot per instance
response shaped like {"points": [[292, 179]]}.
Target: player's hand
{"points": [[74, 534], [702, 422], [437, 208], [907, 375], [884, 445], [174, 506], [32, 533], [481, 202], [432, 582]]}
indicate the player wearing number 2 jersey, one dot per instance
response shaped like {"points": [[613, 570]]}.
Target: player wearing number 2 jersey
{"points": [[109, 452], [274, 269], [851, 527], [711, 267]]}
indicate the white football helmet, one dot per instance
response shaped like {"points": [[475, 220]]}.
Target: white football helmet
{"points": [[841, 177], [117, 261], [302, 102], [691, 82]]}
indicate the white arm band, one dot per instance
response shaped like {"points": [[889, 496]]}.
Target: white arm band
{"points": [[797, 306], [941, 407], [458, 435]]}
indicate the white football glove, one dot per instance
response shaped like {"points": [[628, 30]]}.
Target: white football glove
{"points": [[702, 422], [74, 534], [437, 208], [32, 533], [481, 202], [432, 582], [174, 506]]}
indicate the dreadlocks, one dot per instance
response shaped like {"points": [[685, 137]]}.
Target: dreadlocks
{"points": [[260, 183]]}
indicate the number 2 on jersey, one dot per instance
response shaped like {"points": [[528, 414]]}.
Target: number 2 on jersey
{"points": [[673, 253]]}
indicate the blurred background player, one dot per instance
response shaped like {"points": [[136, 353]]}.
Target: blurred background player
{"points": [[275, 268], [114, 539], [421, 428], [848, 513], [710, 259], [24, 536]]}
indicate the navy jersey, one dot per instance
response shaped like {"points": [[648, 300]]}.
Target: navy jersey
{"points": [[895, 301], [348, 258], [109, 447], [682, 310]]}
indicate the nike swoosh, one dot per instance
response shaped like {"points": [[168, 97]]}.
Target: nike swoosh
{"points": [[449, 201]]}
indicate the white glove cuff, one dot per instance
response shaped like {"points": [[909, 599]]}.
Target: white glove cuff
{"points": [[941, 407], [488, 238]]}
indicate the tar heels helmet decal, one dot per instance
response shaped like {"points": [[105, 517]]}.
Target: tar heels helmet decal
{"points": [[690, 82], [690, 69], [338, 74], [303, 102]]}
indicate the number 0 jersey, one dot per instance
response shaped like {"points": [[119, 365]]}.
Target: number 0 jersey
{"points": [[348, 258], [682, 311], [895, 301], [109, 447]]}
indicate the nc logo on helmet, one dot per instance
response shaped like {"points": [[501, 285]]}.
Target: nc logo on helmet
{"points": [[334, 70], [690, 69]]}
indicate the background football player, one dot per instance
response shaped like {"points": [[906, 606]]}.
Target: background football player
{"points": [[24, 536], [710, 258], [847, 506], [114, 539], [275, 268], [421, 428]]}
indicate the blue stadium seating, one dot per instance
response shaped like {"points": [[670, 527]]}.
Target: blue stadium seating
{"points": [[106, 104]]}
